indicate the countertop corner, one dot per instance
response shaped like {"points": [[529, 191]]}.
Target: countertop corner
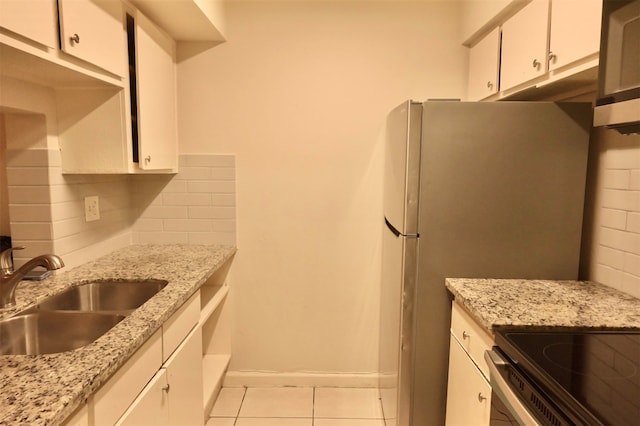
{"points": [[501, 303]]}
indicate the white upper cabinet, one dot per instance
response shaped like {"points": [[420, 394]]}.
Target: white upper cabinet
{"points": [[93, 30], [484, 66], [575, 31], [155, 70], [41, 26], [524, 45]]}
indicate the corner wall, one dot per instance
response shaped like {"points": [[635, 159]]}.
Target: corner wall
{"points": [[299, 92]]}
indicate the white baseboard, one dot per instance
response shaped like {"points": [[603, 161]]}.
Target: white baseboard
{"points": [[300, 379]]}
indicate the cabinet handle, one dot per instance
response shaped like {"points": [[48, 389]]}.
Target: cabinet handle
{"points": [[75, 39], [536, 63], [167, 388], [489, 85], [481, 397], [147, 159], [465, 335], [552, 56]]}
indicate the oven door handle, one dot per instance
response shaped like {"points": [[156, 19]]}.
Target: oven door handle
{"points": [[501, 388]]}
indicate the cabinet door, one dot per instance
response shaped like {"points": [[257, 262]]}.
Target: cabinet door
{"points": [[93, 30], [33, 19], [156, 97], [468, 392], [575, 31], [524, 45], [484, 63], [184, 374], [151, 407]]}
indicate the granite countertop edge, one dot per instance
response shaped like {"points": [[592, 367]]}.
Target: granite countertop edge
{"points": [[580, 305], [46, 389]]}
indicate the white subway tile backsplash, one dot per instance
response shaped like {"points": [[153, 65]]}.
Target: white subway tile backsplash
{"points": [[612, 257], [175, 186], [631, 284], [46, 207], [67, 210], [162, 238], [616, 253], [30, 194], [165, 212], [632, 264], [611, 218], [28, 158], [213, 187], [149, 225], [621, 199], [633, 222], [187, 199], [223, 174], [33, 230], [212, 212], [226, 200], [29, 213], [25, 176], [616, 179], [188, 225], [194, 173], [196, 207], [634, 180]]}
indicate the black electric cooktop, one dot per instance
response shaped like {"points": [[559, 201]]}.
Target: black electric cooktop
{"points": [[593, 376]]}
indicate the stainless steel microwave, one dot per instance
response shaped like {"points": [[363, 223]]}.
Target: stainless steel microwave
{"points": [[618, 102]]}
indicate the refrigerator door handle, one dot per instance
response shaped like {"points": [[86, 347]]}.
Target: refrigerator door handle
{"points": [[392, 228], [395, 231]]}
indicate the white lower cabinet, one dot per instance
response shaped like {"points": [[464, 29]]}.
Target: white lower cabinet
{"points": [[468, 389], [115, 396], [469, 393], [184, 376], [151, 407], [174, 395]]}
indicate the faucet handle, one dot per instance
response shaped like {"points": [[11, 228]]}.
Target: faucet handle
{"points": [[6, 264]]}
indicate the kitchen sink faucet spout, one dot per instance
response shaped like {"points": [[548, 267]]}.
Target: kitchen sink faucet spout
{"points": [[9, 279]]}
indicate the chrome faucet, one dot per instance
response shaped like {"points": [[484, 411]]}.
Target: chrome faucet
{"points": [[9, 278]]}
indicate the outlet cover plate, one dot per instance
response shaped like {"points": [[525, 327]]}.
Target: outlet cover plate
{"points": [[91, 208]]}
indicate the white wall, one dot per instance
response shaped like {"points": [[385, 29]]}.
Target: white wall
{"points": [[299, 93]]}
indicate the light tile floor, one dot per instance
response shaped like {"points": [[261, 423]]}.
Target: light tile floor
{"points": [[293, 406]]}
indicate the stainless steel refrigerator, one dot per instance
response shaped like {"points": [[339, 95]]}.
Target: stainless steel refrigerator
{"points": [[473, 190]]}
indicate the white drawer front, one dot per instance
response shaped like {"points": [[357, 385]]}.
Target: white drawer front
{"points": [[472, 336]]}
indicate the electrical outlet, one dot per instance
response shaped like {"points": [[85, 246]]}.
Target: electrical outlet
{"points": [[91, 208]]}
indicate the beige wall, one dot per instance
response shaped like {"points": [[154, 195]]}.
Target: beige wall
{"points": [[299, 93]]}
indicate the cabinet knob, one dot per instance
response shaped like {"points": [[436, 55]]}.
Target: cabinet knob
{"points": [[167, 388], [552, 56], [481, 397], [75, 39], [465, 335], [489, 85], [536, 63], [147, 159]]}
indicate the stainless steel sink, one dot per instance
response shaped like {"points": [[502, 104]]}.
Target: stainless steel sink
{"points": [[49, 332], [74, 318], [113, 296]]}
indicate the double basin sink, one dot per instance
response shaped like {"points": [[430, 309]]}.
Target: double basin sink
{"points": [[75, 317]]}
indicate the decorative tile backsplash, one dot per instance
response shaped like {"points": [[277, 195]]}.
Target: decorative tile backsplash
{"points": [[196, 206], [616, 249], [46, 207]]}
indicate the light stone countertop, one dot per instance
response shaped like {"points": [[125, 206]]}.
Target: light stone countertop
{"points": [[501, 303], [45, 389]]}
